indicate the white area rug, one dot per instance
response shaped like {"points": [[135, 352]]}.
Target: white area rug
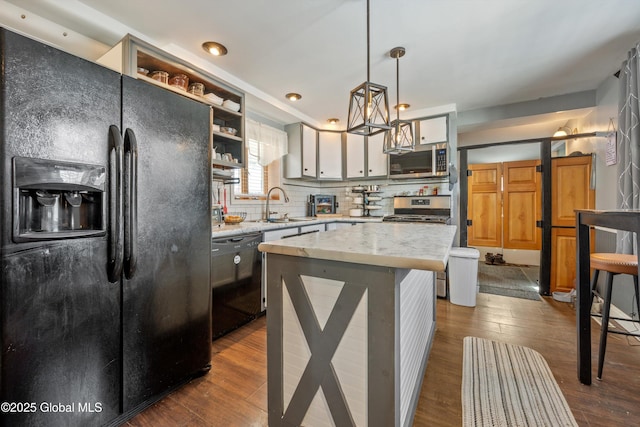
{"points": [[508, 385]]}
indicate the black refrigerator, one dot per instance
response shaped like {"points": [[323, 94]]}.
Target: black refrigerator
{"points": [[105, 239]]}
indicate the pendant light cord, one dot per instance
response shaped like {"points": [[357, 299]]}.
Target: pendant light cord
{"points": [[398, 89], [368, 53]]}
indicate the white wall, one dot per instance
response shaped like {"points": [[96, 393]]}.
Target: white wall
{"points": [[598, 120]]}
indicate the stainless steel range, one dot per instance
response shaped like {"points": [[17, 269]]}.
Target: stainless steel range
{"points": [[423, 209], [427, 210]]}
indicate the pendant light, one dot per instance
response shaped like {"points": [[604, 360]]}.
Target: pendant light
{"points": [[399, 139], [368, 104]]}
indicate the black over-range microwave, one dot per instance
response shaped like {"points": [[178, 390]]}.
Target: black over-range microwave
{"points": [[429, 160]]}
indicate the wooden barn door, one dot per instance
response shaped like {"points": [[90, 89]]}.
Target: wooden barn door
{"points": [[484, 227]]}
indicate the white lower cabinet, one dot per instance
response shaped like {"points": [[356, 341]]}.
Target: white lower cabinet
{"points": [[283, 233]]}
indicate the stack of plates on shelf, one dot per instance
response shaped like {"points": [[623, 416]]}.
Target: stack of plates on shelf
{"points": [[374, 198], [212, 97], [233, 106], [372, 207], [222, 172]]}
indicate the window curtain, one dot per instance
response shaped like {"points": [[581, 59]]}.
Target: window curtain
{"points": [[628, 145], [272, 142]]}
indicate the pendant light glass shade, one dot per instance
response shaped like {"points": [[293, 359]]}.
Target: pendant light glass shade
{"points": [[399, 139], [368, 104]]}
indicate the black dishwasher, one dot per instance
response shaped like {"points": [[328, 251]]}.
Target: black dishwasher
{"points": [[235, 282]]}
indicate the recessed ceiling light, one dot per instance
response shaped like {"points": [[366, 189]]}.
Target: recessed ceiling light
{"points": [[215, 49], [292, 96], [333, 121], [402, 107]]}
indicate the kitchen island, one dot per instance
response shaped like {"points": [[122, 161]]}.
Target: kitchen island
{"points": [[350, 322]]}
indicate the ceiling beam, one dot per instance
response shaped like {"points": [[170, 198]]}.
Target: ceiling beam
{"points": [[552, 104]]}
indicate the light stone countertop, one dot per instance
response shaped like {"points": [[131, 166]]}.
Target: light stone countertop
{"points": [[398, 245], [253, 226]]}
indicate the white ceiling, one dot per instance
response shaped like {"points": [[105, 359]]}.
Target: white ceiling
{"points": [[466, 53]]}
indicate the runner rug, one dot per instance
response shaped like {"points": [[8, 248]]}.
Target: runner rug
{"points": [[509, 385]]}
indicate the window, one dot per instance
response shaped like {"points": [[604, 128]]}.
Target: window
{"points": [[264, 146], [254, 178]]}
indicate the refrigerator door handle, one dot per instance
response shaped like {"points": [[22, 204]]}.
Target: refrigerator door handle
{"points": [[130, 203], [116, 231]]}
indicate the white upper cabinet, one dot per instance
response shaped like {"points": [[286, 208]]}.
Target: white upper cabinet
{"points": [[329, 155], [365, 156], [433, 130], [301, 160], [355, 156], [309, 151], [377, 160]]}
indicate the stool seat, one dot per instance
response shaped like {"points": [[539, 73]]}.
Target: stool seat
{"points": [[612, 264], [615, 263]]}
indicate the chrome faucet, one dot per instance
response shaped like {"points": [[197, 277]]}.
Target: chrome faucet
{"points": [[286, 200]]}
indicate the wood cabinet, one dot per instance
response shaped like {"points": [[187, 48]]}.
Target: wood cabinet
{"points": [[570, 190], [329, 155], [131, 53], [570, 178]]}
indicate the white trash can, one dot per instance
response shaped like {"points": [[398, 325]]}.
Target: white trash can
{"points": [[463, 276]]}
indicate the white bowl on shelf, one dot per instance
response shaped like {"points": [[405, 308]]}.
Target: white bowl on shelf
{"points": [[229, 104], [355, 212]]}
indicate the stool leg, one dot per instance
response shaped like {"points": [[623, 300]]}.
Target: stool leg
{"points": [[635, 282], [594, 284], [605, 323]]}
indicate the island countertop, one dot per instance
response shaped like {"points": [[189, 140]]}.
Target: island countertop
{"points": [[398, 245]]}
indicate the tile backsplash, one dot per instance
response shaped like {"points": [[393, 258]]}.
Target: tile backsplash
{"points": [[299, 191]]}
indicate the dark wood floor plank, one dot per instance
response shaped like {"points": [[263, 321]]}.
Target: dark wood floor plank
{"points": [[234, 393]]}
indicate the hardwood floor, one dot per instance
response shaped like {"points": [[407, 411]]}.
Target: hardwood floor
{"points": [[234, 393]]}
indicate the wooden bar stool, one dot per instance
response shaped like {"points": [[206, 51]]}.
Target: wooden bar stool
{"points": [[612, 264]]}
